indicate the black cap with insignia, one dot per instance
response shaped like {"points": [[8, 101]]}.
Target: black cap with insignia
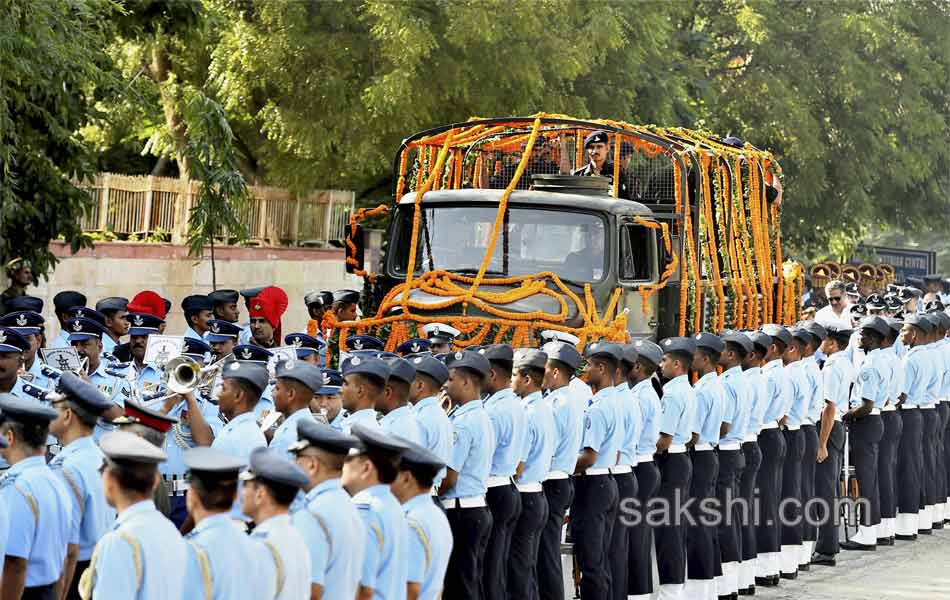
{"points": [[253, 374], [473, 361]]}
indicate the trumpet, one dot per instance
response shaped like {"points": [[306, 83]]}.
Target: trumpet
{"points": [[184, 375]]}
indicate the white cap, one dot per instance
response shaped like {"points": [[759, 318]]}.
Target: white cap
{"points": [[560, 336], [440, 330]]}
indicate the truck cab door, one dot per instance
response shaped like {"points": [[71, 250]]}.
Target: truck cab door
{"points": [[638, 264]]}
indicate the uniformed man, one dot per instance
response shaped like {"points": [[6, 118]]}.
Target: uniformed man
{"points": [[197, 309], [890, 441], [28, 324], [737, 405], [222, 336], [143, 556], [368, 471], [504, 501], [758, 395], [271, 482], [317, 305], [792, 530], [20, 272], [148, 378], [579, 387], [297, 382], [266, 311], [837, 376], [462, 492], [563, 360], [78, 406], [62, 303], [534, 463], [248, 294], [364, 382], [414, 346], [114, 309], [4, 520], [241, 388], [398, 416], [197, 350], [41, 511], [911, 461], [258, 356], [224, 305], [327, 402], [599, 154], [640, 378], [12, 347], [308, 348], [86, 335], [345, 305], [440, 337], [329, 523], [594, 509], [153, 427], [632, 420], [430, 537], [702, 547], [816, 335], [435, 430]]}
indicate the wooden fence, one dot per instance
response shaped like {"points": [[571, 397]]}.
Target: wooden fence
{"points": [[137, 205]]}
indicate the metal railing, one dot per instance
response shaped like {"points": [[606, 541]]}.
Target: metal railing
{"points": [[143, 205]]}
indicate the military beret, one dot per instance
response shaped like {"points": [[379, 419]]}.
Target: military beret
{"points": [[474, 361], [251, 353], [250, 372], [364, 342], [760, 340], [501, 352], [83, 393], [876, 324], [112, 303], [272, 466], [196, 303], [205, 461], [358, 365], [24, 303], [125, 446], [431, 366], [143, 323], [401, 369], [648, 351], [83, 329], [303, 372], [709, 341], [305, 344], [222, 331], [346, 296], [136, 413], [604, 350], [195, 348], [816, 329], [440, 332], [530, 358], [738, 339], [311, 433], [67, 299], [560, 336], [414, 346], [777, 332], [596, 137], [562, 352], [223, 296], [683, 345], [418, 457], [875, 302], [332, 382], [374, 439], [23, 410], [250, 293], [25, 322], [313, 298], [81, 312]]}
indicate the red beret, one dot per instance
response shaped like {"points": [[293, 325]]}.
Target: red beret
{"points": [[148, 302]]}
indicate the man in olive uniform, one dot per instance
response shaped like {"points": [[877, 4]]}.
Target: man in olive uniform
{"points": [[599, 153]]}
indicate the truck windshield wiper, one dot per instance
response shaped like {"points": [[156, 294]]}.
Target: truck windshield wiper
{"points": [[470, 271]]}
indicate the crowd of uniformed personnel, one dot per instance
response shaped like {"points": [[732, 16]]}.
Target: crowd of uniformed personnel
{"points": [[430, 472]]}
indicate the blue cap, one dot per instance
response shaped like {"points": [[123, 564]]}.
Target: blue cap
{"points": [[596, 137], [203, 460], [312, 298], [84, 329], [223, 296], [125, 446], [709, 341], [332, 382], [272, 466], [760, 341], [251, 353], [777, 332], [22, 410], [222, 331], [143, 323], [375, 439], [364, 342], [25, 322], [112, 303], [414, 346], [683, 345], [195, 303], [358, 365], [24, 303], [499, 352], [81, 312], [302, 372], [474, 361], [603, 349], [252, 373], [431, 366], [531, 358], [629, 353], [876, 324], [83, 393], [67, 299], [648, 351], [920, 322], [305, 344], [562, 352], [322, 436], [800, 333], [419, 457], [195, 348], [816, 329], [348, 296], [401, 369], [740, 340], [252, 292]]}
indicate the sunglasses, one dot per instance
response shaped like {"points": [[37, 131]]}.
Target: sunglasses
{"points": [[834, 299]]}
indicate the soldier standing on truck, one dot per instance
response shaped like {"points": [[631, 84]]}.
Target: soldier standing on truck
{"points": [[597, 146]]}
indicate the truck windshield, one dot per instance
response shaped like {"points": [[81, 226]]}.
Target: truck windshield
{"points": [[454, 238]]}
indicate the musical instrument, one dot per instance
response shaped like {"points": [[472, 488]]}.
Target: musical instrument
{"points": [[183, 375]]}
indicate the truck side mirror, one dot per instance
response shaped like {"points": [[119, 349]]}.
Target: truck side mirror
{"points": [[354, 249]]}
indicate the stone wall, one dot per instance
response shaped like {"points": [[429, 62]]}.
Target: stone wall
{"points": [[124, 268]]}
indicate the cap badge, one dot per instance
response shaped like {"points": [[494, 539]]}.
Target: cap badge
{"points": [[326, 379], [458, 355], [667, 342], [258, 306], [297, 342], [21, 320], [417, 360], [699, 336], [356, 361], [235, 366], [415, 347], [77, 326], [358, 344], [246, 353], [216, 328], [138, 320], [3, 337], [79, 314]]}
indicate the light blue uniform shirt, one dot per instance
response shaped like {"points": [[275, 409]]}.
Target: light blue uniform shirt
{"points": [[430, 545], [78, 464], [339, 421], [286, 434], [778, 389], [679, 409], [797, 383], [435, 431], [758, 392], [265, 404], [601, 431], [178, 440], [935, 380], [279, 532], [569, 424], [385, 569], [401, 421], [473, 443], [709, 400], [116, 389], [239, 436], [38, 379], [944, 347], [836, 379], [148, 380], [60, 341], [871, 380], [632, 423], [510, 427], [366, 417], [736, 405], [651, 411], [4, 532], [159, 546], [539, 441], [241, 568], [816, 402], [191, 333], [916, 376], [244, 337], [335, 538], [108, 344], [41, 518]]}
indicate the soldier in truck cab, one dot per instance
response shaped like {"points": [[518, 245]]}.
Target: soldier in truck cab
{"points": [[598, 148]]}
